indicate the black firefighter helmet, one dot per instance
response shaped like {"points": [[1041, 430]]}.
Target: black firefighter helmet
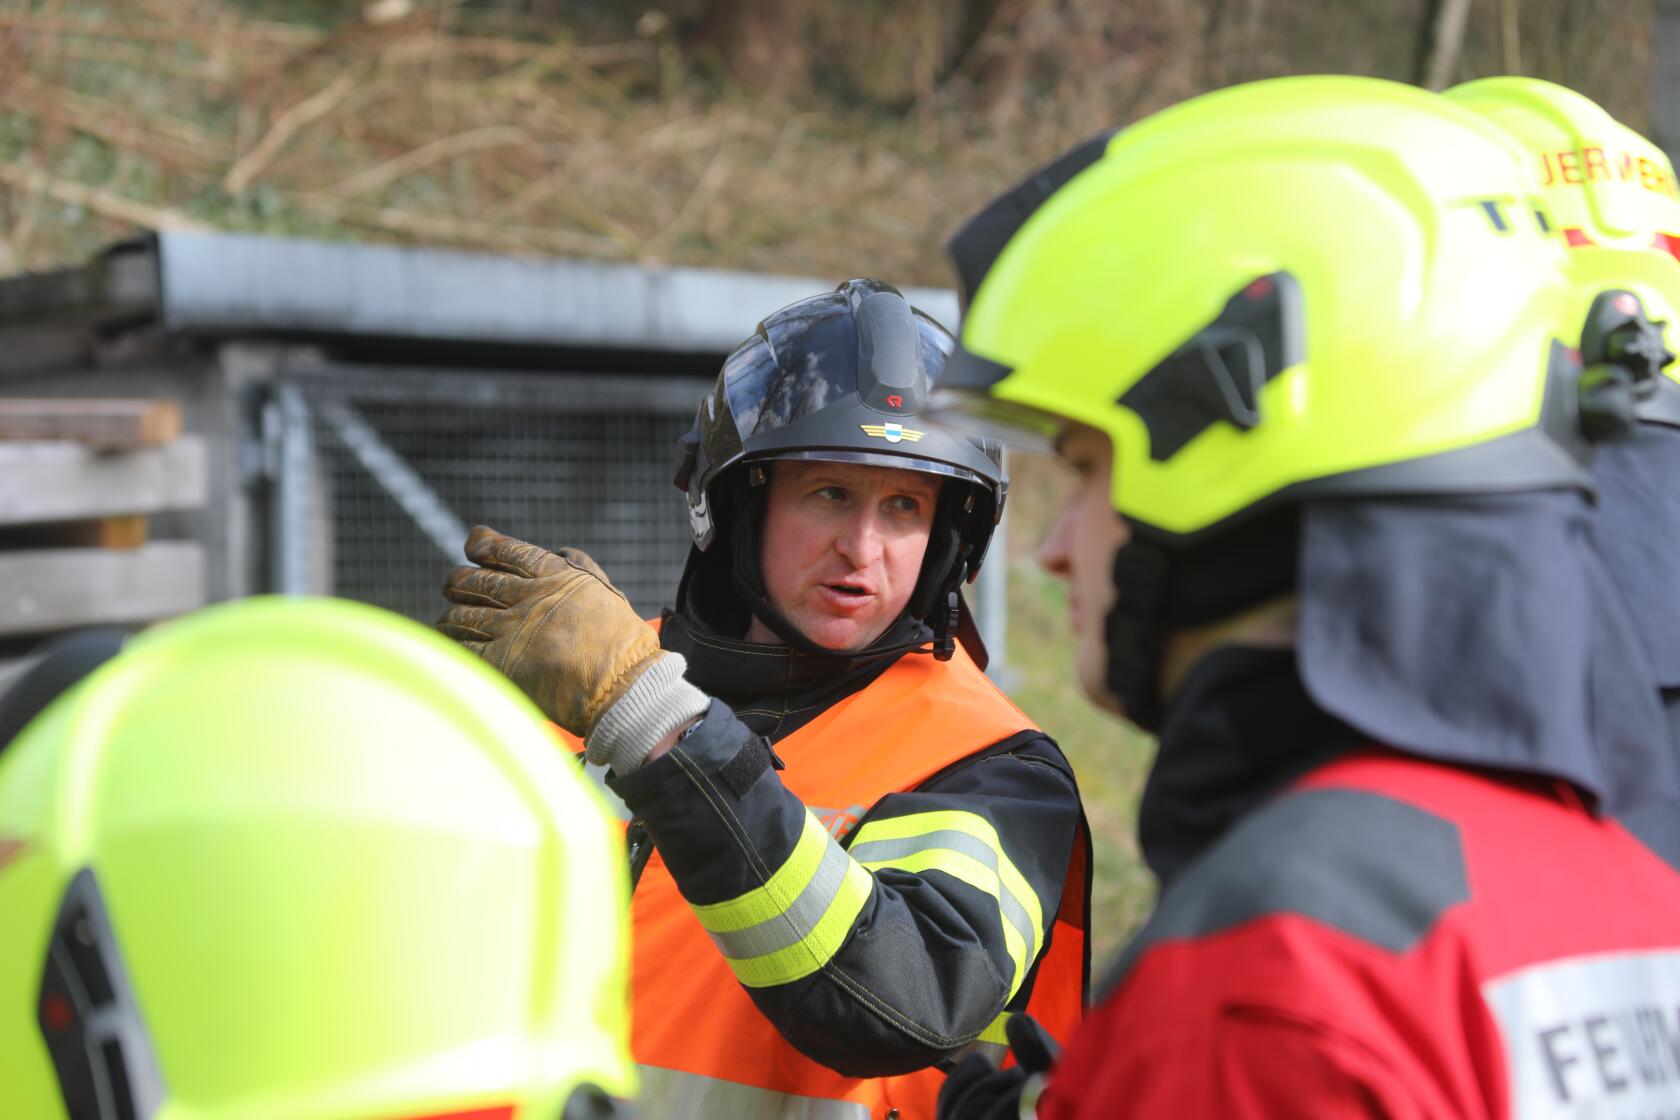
{"points": [[842, 377]]}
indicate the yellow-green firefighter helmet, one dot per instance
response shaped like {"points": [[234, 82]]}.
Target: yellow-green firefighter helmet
{"points": [[1301, 287], [305, 859], [1610, 195]]}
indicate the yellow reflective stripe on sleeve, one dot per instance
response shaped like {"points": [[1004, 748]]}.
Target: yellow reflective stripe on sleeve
{"points": [[817, 947], [768, 901], [792, 925], [976, 874], [993, 1042], [966, 847]]}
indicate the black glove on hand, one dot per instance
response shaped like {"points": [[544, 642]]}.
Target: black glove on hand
{"points": [[978, 1090]]}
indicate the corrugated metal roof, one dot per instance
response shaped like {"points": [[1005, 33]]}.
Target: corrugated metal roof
{"points": [[232, 283]]}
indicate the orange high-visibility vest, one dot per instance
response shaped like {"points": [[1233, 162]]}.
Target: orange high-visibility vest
{"points": [[704, 1048]]}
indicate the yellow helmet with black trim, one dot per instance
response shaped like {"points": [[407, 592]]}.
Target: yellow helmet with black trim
{"points": [[1611, 196], [305, 859], [1301, 287]]}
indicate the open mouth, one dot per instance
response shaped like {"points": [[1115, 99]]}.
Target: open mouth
{"points": [[849, 590]]}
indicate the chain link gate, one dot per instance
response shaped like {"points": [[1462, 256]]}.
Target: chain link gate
{"points": [[379, 473]]}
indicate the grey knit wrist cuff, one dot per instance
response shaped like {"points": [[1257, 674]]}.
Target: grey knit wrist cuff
{"points": [[656, 704]]}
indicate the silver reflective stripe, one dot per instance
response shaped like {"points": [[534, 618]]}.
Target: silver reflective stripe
{"points": [[885, 851], [796, 922], [669, 1094]]}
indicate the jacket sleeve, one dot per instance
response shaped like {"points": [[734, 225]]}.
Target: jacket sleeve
{"points": [[897, 949]]}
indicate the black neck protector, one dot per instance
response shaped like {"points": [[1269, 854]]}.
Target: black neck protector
{"points": [[1159, 589], [1240, 728], [775, 689]]}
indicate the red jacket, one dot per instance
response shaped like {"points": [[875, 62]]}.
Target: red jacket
{"points": [[1394, 937]]}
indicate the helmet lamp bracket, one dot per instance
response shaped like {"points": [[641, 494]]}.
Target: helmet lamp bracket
{"points": [[1623, 352], [1619, 332], [1219, 372]]}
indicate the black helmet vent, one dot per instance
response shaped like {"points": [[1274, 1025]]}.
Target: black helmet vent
{"points": [[890, 374], [1217, 375]]}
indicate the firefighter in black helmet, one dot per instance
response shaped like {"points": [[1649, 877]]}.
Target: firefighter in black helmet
{"points": [[864, 859], [835, 379]]}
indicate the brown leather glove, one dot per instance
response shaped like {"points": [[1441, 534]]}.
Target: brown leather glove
{"points": [[552, 622]]}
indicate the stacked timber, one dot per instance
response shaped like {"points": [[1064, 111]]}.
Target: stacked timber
{"points": [[79, 481]]}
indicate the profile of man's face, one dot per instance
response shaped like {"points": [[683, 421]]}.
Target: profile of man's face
{"points": [[1080, 550], [842, 546]]}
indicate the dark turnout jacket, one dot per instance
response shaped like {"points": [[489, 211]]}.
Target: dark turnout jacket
{"points": [[889, 920]]}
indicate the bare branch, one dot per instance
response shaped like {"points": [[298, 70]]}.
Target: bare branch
{"points": [[438, 151], [1447, 37], [285, 126], [25, 178], [1510, 38], [460, 231]]}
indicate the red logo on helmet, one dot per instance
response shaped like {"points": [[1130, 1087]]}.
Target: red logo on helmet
{"points": [[59, 1013], [12, 849], [895, 401], [1626, 304]]}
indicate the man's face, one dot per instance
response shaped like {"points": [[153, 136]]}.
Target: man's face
{"points": [[1080, 549], [842, 547]]}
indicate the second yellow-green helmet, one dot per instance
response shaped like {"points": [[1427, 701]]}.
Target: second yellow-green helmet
{"points": [[1304, 287], [305, 859], [1610, 195]]}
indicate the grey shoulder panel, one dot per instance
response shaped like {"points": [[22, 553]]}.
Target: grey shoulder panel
{"points": [[1373, 867]]}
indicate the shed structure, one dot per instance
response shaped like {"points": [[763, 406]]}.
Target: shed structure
{"points": [[352, 409]]}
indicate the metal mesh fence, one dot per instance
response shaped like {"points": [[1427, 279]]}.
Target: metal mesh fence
{"points": [[382, 471]]}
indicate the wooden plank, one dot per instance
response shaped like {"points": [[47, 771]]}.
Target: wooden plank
{"points": [[125, 530], [109, 423], [53, 589], [66, 481], [128, 530]]}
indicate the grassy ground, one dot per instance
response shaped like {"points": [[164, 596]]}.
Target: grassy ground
{"points": [[1109, 757]]}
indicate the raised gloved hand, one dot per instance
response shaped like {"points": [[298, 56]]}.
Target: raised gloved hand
{"points": [[558, 628]]}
